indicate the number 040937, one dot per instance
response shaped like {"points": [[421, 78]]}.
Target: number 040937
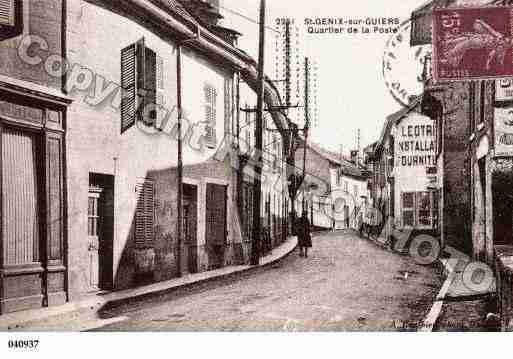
{"points": [[23, 344]]}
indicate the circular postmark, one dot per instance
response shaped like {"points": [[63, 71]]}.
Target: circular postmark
{"points": [[403, 65]]}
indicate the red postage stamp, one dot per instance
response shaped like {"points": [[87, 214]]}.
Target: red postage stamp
{"points": [[472, 43]]}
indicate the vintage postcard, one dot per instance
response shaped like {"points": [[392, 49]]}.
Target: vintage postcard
{"points": [[255, 166]]}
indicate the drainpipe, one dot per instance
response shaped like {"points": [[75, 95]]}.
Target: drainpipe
{"points": [[180, 163]]}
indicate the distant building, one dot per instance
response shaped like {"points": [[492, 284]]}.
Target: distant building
{"points": [[340, 187], [404, 171]]}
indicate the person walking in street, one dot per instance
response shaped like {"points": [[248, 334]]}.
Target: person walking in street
{"points": [[360, 220], [304, 235]]}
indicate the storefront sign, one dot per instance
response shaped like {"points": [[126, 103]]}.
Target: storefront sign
{"points": [[504, 131], [20, 112], [504, 90], [415, 144]]}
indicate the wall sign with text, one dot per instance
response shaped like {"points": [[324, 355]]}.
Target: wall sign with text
{"points": [[504, 89], [504, 131]]}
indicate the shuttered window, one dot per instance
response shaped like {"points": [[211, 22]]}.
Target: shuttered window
{"points": [[145, 212], [149, 113], [20, 198], [142, 81], [160, 88], [128, 84], [7, 12], [210, 96]]}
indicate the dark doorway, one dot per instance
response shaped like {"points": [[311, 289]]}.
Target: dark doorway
{"points": [[502, 190], [100, 231], [216, 224], [190, 225]]}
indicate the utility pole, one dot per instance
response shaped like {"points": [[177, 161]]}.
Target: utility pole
{"points": [[287, 63], [180, 163], [307, 122], [257, 189], [358, 148]]}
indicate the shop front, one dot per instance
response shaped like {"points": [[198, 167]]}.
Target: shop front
{"points": [[33, 268]]}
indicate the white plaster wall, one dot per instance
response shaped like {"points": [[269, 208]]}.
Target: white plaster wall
{"points": [[410, 178], [95, 39]]}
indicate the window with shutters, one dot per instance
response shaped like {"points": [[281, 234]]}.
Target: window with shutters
{"points": [[142, 81], [145, 212], [210, 98], [11, 17]]}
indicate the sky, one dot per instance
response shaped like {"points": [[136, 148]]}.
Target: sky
{"points": [[352, 92]]}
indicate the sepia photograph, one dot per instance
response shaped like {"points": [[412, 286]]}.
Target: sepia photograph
{"points": [[252, 166]]}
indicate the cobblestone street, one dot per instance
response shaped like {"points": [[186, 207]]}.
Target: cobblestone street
{"points": [[346, 283]]}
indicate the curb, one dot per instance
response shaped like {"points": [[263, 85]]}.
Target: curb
{"points": [[118, 302], [25, 319], [433, 315]]}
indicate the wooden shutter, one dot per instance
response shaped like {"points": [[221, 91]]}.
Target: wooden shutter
{"points": [[20, 214], [216, 214], [145, 212], [7, 12], [150, 86], [160, 88], [129, 87]]}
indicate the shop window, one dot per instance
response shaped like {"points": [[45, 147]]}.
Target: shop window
{"points": [[408, 206], [145, 212], [424, 209], [21, 197]]}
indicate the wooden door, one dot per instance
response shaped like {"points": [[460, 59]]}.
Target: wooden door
{"points": [[190, 233], [94, 232], [216, 223]]}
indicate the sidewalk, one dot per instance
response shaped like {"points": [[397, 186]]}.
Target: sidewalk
{"points": [[83, 314], [457, 307]]}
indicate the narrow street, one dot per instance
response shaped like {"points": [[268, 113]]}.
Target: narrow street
{"points": [[346, 284]]}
